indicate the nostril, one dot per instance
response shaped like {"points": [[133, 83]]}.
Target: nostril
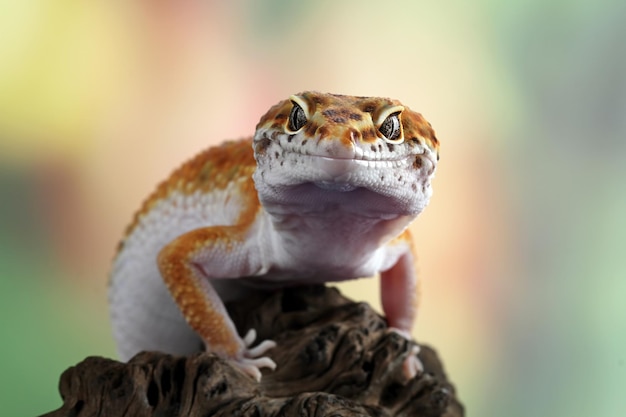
{"points": [[323, 132], [355, 136]]}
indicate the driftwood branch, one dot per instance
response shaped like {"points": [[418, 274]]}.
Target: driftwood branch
{"points": [[334, 356]]}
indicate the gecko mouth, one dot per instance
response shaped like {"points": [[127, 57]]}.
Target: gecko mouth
{"points": [[321, 183], [344, 175], [337, 167], [359, 156], [367, 179]]}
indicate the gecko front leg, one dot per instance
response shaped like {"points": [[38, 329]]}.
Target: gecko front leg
{"points": [[187, 265], [399, 299]]}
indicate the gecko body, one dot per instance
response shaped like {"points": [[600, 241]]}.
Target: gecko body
{"points": [[324, 191]]}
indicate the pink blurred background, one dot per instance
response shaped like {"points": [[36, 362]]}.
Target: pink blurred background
{"points": [[520, 250]]}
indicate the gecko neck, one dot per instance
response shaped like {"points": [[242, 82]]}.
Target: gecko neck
{"points": [[332, 232]]}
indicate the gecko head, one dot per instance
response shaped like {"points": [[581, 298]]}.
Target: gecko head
{"points": [[344, 149]]}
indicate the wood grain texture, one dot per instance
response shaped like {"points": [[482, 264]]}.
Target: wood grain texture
{"points": [[335, 357]]}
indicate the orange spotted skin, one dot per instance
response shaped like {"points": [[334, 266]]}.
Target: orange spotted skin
{"points": [[219, 166], [356, 112], [212, 169], [323, 191], [207, 319]]}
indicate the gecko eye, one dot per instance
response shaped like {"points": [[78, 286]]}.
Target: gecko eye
{"points": [[390, 128], [297, 118]]}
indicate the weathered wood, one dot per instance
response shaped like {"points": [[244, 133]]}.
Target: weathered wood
{"points": [[334, 356]]}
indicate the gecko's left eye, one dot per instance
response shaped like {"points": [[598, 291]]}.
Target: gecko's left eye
{"points": [[390, 128], [297, 118]]}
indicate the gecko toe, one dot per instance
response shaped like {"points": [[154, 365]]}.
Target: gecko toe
{"points": [[260, 349], [252, 367], [412, 367], [250, 360], [263, 362], [256, 351], [249, 338], [250, 370]]}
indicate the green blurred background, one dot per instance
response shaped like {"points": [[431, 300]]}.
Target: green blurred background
{"points": [[521, 250]]}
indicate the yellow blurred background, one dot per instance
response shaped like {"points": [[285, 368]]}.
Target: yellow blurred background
{"points": [[524, 283]]}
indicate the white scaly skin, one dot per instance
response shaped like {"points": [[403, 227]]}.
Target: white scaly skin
{"points": [[325, 196]]}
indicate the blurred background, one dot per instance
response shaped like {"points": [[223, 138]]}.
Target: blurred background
{"points": [[522, 247]]}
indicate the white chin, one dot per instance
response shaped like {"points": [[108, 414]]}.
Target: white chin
{"points": [[335, 186]]}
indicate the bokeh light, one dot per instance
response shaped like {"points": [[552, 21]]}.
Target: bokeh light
{"points": [[523, 279]]}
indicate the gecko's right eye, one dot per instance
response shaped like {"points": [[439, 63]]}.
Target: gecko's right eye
{"points": [[391, 127], [297, 118]]}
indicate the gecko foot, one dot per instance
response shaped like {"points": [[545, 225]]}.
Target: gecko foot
{"points": [[251, 361], [412, 366]]}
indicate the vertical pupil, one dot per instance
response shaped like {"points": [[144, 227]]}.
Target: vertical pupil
{"points": [[297, 119], [391, 127]]}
